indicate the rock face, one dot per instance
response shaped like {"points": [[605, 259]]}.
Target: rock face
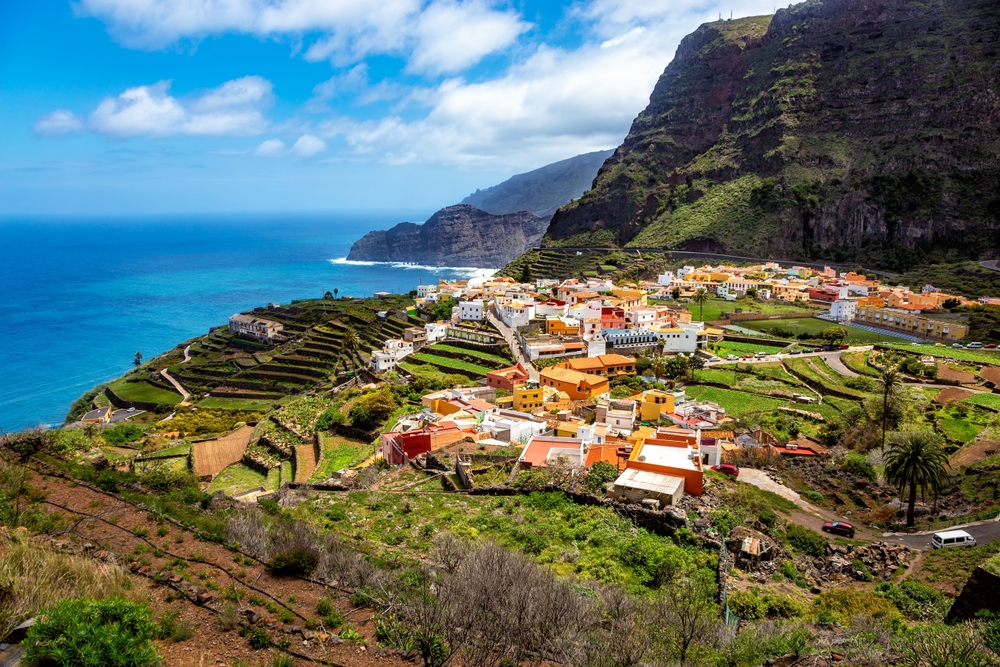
{"points": [[844, 129], [459, 235], [981, 591], [543, 190]]}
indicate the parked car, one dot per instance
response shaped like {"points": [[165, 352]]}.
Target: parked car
{"points": [[974, 345], [990, 346], [760, 355], [844, 346], [732, 357], [807, 350], [839, 528], [795, 352], [957, 346], [952, 538], [727, 469], [748, 356]]}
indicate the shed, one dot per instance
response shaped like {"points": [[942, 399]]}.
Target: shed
{"points": [[637, 485]]}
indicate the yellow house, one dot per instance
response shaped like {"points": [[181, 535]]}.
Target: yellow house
{"points": [[567, 429], [528, 397], [652, 403], [630, 298], [562, 326]]}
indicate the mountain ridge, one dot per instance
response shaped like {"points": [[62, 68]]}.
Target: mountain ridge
{"points": [[857, 130]]}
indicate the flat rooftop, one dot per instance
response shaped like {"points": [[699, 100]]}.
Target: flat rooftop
{"points": [[667, 456]]}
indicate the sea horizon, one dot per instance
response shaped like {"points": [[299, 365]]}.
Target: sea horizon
{"points": [[86, 292]]}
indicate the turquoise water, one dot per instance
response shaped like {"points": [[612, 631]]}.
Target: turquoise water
{"points": [[82, 296]]}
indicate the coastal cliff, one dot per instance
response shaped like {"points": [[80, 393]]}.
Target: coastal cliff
{"points": [[459, 235], [863, 130]]}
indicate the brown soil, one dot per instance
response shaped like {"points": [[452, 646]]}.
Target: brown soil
{"points": [[948, 373], [305, 462], [211, 457], [977, 451], [991, 374], [182, 578], [952, 394]]}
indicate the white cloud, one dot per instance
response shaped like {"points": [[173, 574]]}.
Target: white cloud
{"points": [[554, 103], [58, 122], [234, 108], [270, 148], [351, 29], [308, 145]]}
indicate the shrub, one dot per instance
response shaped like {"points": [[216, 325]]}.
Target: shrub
{"points": [[229, 616], [283, 660], [916, 600], [85, 631], [805, 541], [843, 605], [747, 605], [859, 466], [122, 434], [349, 634], [257, 639], [294, 559], [861, 383], [599, 475], [814, 496]]}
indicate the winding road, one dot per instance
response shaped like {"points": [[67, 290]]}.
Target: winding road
{"points": [[177, 385]]}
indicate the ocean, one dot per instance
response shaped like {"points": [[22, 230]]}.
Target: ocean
{"points": [[81, 296]]}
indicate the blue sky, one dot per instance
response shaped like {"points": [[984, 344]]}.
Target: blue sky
{"points": [[174, 106]]}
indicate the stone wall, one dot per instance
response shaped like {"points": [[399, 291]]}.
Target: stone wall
{"points": [[981, 591]]}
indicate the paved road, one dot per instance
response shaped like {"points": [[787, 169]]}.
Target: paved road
{"points": [[993, 265], [508, 335], [813, 517]]}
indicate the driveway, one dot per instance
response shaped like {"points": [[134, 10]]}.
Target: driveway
{"points": [[508, 335]]}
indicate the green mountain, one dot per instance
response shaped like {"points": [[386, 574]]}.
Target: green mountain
{"points": [[543, 190], [863, 130]]}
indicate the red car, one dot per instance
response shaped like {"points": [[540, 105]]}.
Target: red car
{"points": [[843, 347], [839, 528], [727, 469]]}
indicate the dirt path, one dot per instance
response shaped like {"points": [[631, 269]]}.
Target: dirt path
{"points": [[177, 385], [305, 462], [196, 573]]}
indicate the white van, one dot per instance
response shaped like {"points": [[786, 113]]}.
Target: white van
{"points": [[975, 345], [952, 538]]}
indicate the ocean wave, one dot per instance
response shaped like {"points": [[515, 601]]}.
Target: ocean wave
{"points": [[465, 271]]}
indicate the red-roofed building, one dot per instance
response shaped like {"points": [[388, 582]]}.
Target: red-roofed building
{"points": [[506, 378], [545, 450], [398, 447], [800, 447]]}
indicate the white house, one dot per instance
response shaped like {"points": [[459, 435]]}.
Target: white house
{"points": [[248, 326], [843, 310], [665, 279], [681, 338], [425, 290], [435, 331], [394, 350], [511, 426], [517, 314], [641, 317], [471, 311]]}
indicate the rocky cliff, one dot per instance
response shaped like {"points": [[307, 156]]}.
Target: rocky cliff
{"points": [[459, 235], [543, 190], [843, 129]]}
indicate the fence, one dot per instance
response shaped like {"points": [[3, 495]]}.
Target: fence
{"points": [[732, 620]]}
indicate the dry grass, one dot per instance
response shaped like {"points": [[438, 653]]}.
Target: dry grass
{"points": [[38, 577], [211, 457]]}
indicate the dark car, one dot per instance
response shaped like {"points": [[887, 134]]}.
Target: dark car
{"points": [[727, 469], [839, 528], [807, 350]]}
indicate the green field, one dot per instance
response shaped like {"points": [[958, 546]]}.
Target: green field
{"points": [[991, 401], [736, 403], [715, 307], [440, 347], [236, 404], [959, 430], [144, 392], [813, 327], [236, 479], [338, 453], [450, 363], [976, 356], [739, 349], [858, 362], [818, 371]]}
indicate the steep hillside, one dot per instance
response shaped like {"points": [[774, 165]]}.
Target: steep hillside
{"points": [[845, 129], [454, 236], [543, 190]]}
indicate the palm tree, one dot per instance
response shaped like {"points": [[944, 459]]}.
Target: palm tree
{"points": [[335, 292], [915, 460], [891, 382], [352, 343], [701, 297], [658, 367]]}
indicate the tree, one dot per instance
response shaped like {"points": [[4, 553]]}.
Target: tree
{"points": [[891, 382], [676, 293], [526, 273], [335, 292], [686, 613], [701, 297], [137, 361], [834, 334], [915, 461], [752, 292], [352, 343], [658, 367], [951, 303]]}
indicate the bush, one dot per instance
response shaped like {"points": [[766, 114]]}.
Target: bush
{"points": [[747, 605], [862, 383], [87, 632], [916, 600], [845, 604], [814, 496], [294, 559], [859, 466], [599, 475], [805, 541], [122, 434], [257, 639], [329, 418]]}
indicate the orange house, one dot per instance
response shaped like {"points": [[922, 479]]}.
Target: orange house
{"points": [[578, 386], [507, 378], [673, 454], [608, 365]]}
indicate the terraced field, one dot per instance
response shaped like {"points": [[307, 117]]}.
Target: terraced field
{"points": [[736, 403], [448, 362], [486, 356]]}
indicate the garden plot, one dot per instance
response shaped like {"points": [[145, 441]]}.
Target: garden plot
{"points": [[212, 456]]}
